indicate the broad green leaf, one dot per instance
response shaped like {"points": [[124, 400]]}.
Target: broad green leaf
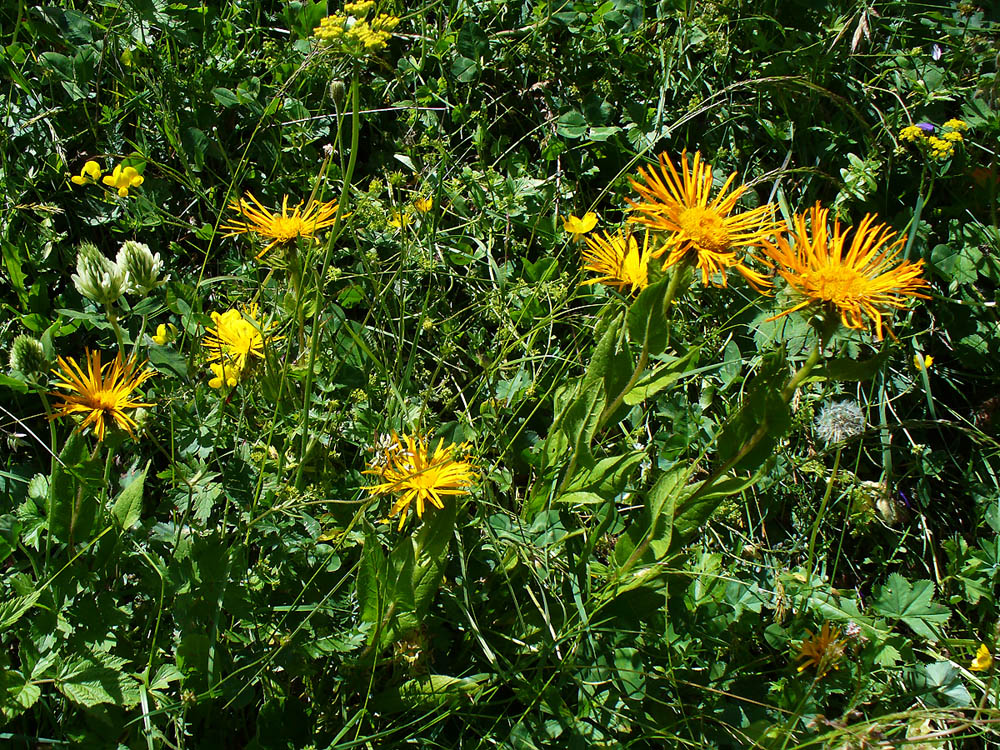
{"points": [[128, 506], [840, 369], [373, 585], [12, 609], [430, 691], [911, 604], [647, 324], [661, 378], [602, 483], [90, 683], [647, 538], [72, 504]]}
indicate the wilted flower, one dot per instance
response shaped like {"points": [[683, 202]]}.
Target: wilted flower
{"points": [[90, 173], [142, 268], [123, 178], [839, 421], [28, 357], [97, 277], [823, 650]]}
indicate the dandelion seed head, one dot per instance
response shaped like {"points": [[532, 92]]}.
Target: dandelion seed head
{"points": [[839, 421]]}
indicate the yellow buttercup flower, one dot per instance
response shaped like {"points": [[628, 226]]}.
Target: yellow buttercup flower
{"points": [[122, 179], [423, 205], [701, 229], [233, 344], [620, 261], [280, 228], [823, 650], [408, 466], [923, 363], [90, 173], [857, 280], [165, 333], [983, 661], [103, 394], [579, 226]]}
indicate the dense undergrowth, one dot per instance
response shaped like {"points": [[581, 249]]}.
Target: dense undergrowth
{"points": [[333, 419]]}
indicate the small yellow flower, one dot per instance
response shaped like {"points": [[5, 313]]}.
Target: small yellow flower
{"points": [[983, 661], [619, 260], [912, 133], [233, 344], [400, 219], [407, 465], [423, 205], [580, 226], [953, 135], [823, 650], [956, 124], [103, 393], [123, 178], [90, 173], [855, 279], [226, 374], [923, 363], [165, 333], [280, 228], [940, 148], [702, 230]]}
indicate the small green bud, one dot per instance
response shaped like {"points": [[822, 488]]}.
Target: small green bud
{"points": [[28, 357], [338, 90], [97, 277]]}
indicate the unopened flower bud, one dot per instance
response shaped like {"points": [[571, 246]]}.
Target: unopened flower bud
{"points": [[97, 277], [142, 268], [338, 90], [28, 357]]}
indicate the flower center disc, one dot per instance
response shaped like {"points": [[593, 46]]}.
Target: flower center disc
{"points": [[837, 284], [287, 228], [105, 400], [705, 229]]}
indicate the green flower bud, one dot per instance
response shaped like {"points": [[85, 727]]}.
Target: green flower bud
{"points": [[338, 90], [142, 268], [97, 278], [27, 357]]}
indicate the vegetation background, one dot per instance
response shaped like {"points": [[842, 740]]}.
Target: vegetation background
{"points": [[223, 579]]}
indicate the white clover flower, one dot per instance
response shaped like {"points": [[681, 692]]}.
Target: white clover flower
{"points": [[839, 421], [97, 277], [142, 268]]}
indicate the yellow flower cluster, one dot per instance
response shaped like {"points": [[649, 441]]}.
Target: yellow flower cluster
{"points": [[233, 344], [121, 178], [939, 147], [351, 33]]}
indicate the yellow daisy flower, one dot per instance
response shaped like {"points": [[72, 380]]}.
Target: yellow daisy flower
{"points": [[123, 178], [90, 173], [407, 465], [103, 393], [579, 226], [232, 345], [983, 661], [855, 279], [620, 261], [423, 205], [280, 228], [823, 650], [701, 228]]}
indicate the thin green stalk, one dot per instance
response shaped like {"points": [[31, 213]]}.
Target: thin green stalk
{"points": [[810, 560], [314, 343]]}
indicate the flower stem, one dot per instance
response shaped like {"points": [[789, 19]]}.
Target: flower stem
{"points": [[819, 516]]}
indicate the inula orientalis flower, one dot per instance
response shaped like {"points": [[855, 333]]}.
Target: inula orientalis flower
{"points": [[408, 466], [856, 275], [983, 660], [232, 345], [103, 394], [619, 260], [123, 178], [423, 205], [704, 230], [90, 173], [579, 226], [283, 227], [822, 650]]}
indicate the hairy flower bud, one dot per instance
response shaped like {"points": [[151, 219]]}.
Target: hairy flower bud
{"points": [[97, 277], [28, 357], [839, 421], [142, 268], [338, 90]]}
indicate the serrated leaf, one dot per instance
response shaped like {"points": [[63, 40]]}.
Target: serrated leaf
{"points": [[13, 609], [90, 684], [911, 604]]}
